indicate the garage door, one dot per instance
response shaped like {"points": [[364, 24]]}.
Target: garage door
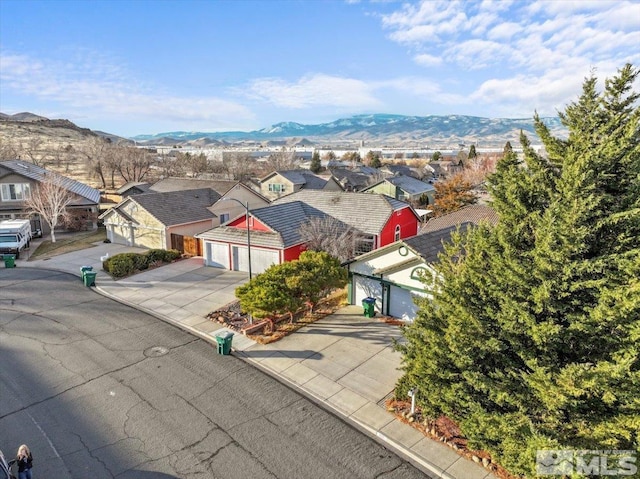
{"points": [[217, 255], [260, 259], [367, 288], [119, 234], [401, 304]]}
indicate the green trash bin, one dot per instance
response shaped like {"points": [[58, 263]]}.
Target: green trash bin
{"points": [[9, 261], [369, 307], [84, 269], [224, 342], [89, 278]]}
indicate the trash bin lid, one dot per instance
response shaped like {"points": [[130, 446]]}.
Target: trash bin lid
{"points": [[224, 335], [369, 300]]}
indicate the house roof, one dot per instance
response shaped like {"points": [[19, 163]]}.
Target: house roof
{"points": [[284, 220], [178, 184], [140, 185], [366, 212], [300, 177], [410, 185], [345, 176], [469, 214], [230, 234], [176, 207], [398, 170], [37, 173], [430, 245]]}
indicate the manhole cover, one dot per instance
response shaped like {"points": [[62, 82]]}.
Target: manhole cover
{"points": [[155, 351]]}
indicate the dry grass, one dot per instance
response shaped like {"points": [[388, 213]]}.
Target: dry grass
{"points": [[69, 242]]}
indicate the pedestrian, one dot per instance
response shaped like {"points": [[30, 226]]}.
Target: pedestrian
{"points": [[25, 462]]}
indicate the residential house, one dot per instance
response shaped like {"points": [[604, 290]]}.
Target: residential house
{"points": [[391, 274], [281, 183], [395, 170], [133, 188], [273, 232], [19, 178], [474, 214], [443, 168], [404, 188], [355, 180], [180, 184], [150, 220]]}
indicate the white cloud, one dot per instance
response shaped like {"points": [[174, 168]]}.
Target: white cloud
{"points": [[314, 90], [427, 60], [92, 84], [504, 31]]}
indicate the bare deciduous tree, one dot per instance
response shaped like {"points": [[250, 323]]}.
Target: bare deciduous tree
{"points": [[96, 152], [32, 149], [240, 165], [49, 199], [135, 164], [282, 160], [329, 235], [8, 150]]}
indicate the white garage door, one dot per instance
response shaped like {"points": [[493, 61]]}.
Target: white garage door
{"points": [[367, 288], [401, 304], [217, 255], [260, 259]]}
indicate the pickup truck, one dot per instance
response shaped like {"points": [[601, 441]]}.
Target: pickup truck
{"points": [[15, 236]]}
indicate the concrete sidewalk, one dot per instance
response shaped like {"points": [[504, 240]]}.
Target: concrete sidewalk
{"points": [[344, 362]]}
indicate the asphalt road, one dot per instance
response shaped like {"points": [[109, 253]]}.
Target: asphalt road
{"points": [[100, 390]]}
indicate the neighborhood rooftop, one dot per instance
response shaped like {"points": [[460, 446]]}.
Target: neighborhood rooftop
{"points": [[364, 211], [38, 173]]}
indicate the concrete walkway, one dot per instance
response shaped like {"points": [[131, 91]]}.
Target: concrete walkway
{"points": [[344, 362]]}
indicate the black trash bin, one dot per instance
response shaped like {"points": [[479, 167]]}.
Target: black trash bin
{"points": [[224, 340], [369, 307]]}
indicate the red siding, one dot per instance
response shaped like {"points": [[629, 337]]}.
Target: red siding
{"points": [[293, 252], [242, 223], [408, 226]]}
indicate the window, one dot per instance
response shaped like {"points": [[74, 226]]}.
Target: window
{"points": [[396, 236], [224, 217], [276, 187], [15, 192]]}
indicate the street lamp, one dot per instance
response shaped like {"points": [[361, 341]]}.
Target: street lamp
{"points": [[246, 207]]}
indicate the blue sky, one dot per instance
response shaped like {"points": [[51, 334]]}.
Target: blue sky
{"points": [[134, 67]]}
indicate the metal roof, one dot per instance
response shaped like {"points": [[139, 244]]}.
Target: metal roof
{"points": [[37, 173]]}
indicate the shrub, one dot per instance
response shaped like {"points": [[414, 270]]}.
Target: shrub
{"points": [[121, 265], [155, 255], [125, 264]]}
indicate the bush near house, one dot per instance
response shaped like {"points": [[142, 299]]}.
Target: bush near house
{"points": [[126, 264], [286, 288]]}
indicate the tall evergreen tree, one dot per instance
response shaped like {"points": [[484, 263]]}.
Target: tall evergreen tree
{"points": [[532, 337], [316, 165]]}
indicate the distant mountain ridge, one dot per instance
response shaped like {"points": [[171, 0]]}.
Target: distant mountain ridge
{"points": [[381, 128]]}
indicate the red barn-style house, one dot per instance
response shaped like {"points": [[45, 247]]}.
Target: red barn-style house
{"points": [[274, 230]]}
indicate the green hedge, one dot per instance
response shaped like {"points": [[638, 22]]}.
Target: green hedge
{"points": [[126, 264]]}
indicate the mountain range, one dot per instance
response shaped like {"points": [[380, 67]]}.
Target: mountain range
{"points": [[378, 129], [373, 130]]}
